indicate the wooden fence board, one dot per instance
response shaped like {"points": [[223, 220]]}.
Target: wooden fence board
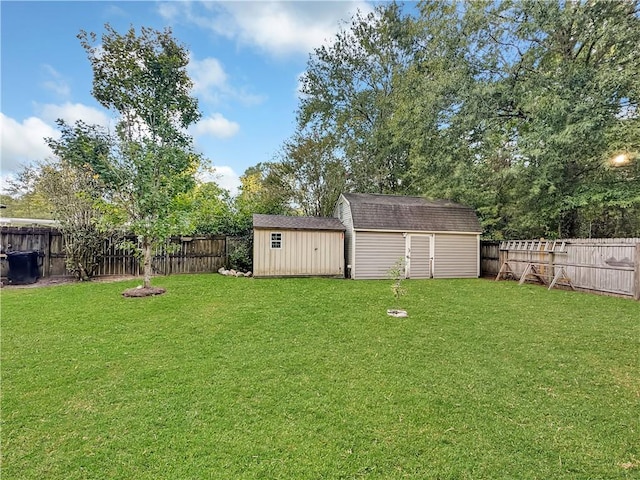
{"points": [[607, 266], [188, 254]]}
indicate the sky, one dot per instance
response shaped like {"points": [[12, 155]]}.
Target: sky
{"points": [[247, 59]]}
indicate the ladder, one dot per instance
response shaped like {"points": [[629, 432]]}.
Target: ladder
{"points": [[546, 246]]}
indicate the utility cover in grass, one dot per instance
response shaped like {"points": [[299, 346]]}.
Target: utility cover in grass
{"points": [[143, 292]]}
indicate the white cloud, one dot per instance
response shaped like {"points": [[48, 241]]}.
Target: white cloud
{"points": [[211, 82], [115, 11], [71, 112], [23, 143], [278, 28], [216, 125], [209, 78], [5, 182], [56, 82], [224, 176]]}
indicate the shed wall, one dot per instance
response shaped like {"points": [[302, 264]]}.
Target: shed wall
{"points": [[376, 253], [456, 256], [343, 213], [303, 253]]}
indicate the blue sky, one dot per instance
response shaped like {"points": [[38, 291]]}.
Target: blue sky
{"points": [[246, 61]]}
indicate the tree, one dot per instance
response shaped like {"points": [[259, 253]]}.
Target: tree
{"points": [[72, 193], [312, 173], [261, 191], [515, 108], [348, 95], [209, 209], [560, 80], [143, 79], [25, 203]]}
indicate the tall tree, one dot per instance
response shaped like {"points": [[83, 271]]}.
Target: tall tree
{"points": [[348, 94], [311, 173], [143, 79], [560, 79], [513, 107], [262, 190]]}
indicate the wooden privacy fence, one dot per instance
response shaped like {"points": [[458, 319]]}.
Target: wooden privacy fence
{"points": [[608, 266], [197, 254], [489, 258]]}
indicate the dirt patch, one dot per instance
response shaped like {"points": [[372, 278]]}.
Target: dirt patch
{"points": [[143, 292], [54, 281]]}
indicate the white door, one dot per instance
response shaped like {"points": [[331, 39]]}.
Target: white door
{"points": [[418, 256]]}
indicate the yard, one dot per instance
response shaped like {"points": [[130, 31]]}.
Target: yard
{"points": [[309, 378]]}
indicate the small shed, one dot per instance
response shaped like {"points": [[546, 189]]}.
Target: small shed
{"points": [[285, 246], [435, 238]]}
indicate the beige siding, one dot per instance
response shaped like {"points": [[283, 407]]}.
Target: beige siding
{"points": [[343, 213], [303, 253], [455, 256], [376, 253], [419, 253]]}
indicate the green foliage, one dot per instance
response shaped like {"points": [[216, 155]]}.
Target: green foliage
{"points": [[397, 273], [262, 190], [240, 253], [208, 208], [311, 173], [348, 97], [515, 108], [143, 79], [25, 204]]}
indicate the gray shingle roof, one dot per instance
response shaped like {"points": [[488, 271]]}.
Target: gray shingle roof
{"points": [[391, 212], [296, 223]]}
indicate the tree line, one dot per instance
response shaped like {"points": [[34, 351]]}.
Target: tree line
{"points": [[528, 111]]}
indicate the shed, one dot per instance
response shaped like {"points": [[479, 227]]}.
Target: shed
{"points": [[435, 238], [285, 246]]}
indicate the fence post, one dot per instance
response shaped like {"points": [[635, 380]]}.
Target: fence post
{"points": [[636, 273], [46, 261], [503, 256]]}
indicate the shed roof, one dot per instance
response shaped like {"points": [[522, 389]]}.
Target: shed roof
{"points": [[393, 212], [297, 223]]}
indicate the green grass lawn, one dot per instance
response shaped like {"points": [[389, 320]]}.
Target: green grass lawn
{"points": [[309, 378]]}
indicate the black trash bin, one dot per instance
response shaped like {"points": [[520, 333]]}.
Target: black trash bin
{"points": [[23, 267]]}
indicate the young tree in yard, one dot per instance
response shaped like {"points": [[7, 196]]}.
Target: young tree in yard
{"points": [[76, 194], [72, 193], [143, 79]]}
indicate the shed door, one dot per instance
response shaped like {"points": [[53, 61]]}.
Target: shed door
{"points": [[418, 256]]}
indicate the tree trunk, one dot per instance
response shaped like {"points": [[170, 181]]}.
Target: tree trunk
{"points": [[146, 246]]}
